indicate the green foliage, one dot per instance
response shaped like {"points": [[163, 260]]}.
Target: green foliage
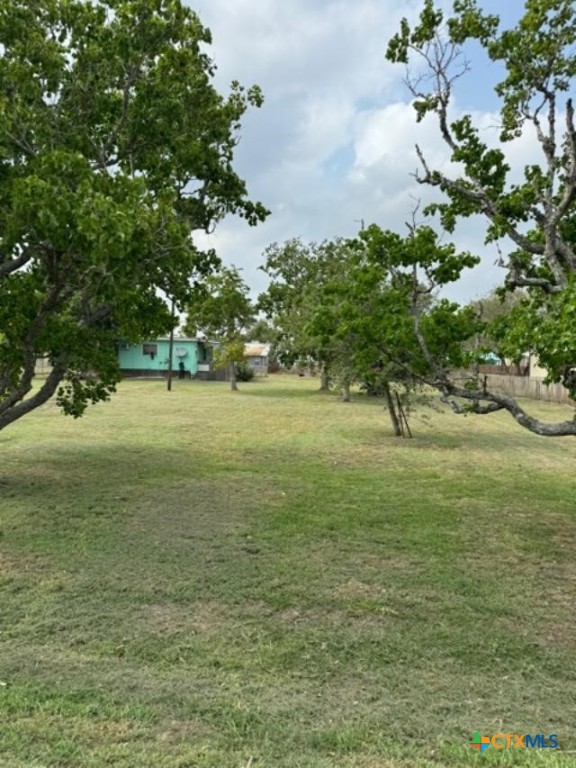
{"points": [[299, 274], [537, 214], [545, 327], [244, 372], [114, 148], [538, 57], [364, 308], [262, 331], [405, 333], [220, 308]]}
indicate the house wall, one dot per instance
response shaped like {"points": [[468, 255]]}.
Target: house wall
{"points": [[133, 360], [259, 364]]}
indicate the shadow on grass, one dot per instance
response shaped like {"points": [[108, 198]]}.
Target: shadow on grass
{"points": [[90, 468], [282, 392]]}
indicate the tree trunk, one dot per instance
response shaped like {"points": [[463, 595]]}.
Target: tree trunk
{"points": [[232, 370], [11, 412], [325, 379], [392, 411], [346, 392]]}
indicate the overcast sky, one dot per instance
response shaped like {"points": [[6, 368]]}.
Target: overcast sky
{"points": [[334, 142]]}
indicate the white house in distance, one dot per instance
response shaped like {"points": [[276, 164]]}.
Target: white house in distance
{"points": [[257, 355], [536, 370]]}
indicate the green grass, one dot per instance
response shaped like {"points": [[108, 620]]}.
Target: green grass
{"points": [[269, 578]]}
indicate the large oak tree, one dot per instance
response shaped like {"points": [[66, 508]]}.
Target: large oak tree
{"points": [[114, 148]]}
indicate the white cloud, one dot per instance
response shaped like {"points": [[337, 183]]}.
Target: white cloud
{"points": [[334, 141]]}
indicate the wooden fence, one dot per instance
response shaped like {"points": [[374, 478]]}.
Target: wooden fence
{"points": [[523, 386]]}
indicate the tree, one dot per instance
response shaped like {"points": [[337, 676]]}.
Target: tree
{"points": [[222, 310], [537, 215], [299, 274], [347, 322], [114, 148], [262, 331]]}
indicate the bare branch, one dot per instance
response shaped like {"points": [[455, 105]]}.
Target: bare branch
{"points": [[476, 407], [570, 178], [505, 402], [22, 144], [517, 280], [440, 57]]}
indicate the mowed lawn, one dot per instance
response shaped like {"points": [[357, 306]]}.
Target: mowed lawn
{"points": [[269, 578]]}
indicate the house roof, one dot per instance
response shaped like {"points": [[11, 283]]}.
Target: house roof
{"points": [[256, 349]]}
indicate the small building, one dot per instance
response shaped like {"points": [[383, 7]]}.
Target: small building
{"points": [[191, 358], [43, 367], [257, 357], [536, 370]]}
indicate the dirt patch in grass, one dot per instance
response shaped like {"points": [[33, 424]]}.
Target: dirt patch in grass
{"points": [[354, 589], [180, 731], [12, 563], [206, 619], [360, 618]]}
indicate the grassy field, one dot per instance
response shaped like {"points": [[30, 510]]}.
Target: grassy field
{"points": [[269, 578]]}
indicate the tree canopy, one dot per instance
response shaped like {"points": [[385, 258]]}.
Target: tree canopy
{"points": [[365, 310], [299, 276], [538, 214], [114, 148]]}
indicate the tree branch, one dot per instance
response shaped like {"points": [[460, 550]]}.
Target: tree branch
{"points": [[505, 402], [570, 188], [29, 351], [45, 392]]}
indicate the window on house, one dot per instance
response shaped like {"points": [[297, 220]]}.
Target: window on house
{"points": [[150, 349]]}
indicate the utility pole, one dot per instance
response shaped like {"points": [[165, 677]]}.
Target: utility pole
{"points": [[170, 349]]}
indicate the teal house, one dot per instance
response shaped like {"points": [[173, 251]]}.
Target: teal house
{"points": [[191, 358]]}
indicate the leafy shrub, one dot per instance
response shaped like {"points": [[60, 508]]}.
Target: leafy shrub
{"points": [[244, 372]]}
